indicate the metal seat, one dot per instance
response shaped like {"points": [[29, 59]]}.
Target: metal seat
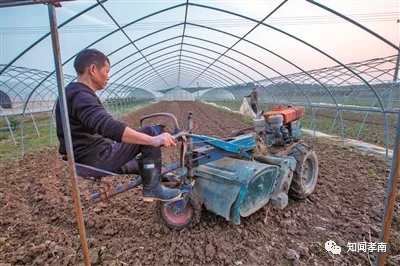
{"points": [[87, 171]]}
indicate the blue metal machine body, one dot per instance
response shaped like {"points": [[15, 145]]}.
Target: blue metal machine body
{"points": [[296, 133], [212, 149], [234, 188], [226, 179], [270, 138]]}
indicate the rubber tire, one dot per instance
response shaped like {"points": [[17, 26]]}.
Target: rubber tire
{"points": [[193, 203], [298, 190]]}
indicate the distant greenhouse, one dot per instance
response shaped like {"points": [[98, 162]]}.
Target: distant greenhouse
{"points": [[217, 94], [121, 93], [24, 90], [178, 94], [30, 90], [5, 101]]}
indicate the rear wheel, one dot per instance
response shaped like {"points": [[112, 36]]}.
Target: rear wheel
{"points": [[188, 218], [305, 176]]}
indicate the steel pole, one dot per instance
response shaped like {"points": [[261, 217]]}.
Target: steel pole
{"points": [[67, 131], [394, 81], [390, 195]]}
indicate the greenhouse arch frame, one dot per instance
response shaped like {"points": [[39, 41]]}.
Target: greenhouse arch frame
{"points": [[340, 87]]}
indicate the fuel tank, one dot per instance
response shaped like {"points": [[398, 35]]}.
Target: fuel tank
{"points": [[289, 113]]}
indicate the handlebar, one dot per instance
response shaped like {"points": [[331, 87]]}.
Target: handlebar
{"points": [[173, 118]]}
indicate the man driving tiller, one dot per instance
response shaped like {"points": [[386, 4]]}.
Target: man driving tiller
{"points": [[100, 141]]}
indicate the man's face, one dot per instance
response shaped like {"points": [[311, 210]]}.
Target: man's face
{"points": [[100, 75]]}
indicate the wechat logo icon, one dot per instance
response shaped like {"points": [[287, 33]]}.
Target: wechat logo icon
{"points": [[331, 246]]}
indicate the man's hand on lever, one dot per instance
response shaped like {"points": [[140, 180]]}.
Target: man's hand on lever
{"points": [[164, 139]]}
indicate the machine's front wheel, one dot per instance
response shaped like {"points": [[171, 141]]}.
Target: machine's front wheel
{"points": [[188, 218], [306, 173]]}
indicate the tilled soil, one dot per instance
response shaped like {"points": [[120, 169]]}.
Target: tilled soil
{"points": [[38, 223]]}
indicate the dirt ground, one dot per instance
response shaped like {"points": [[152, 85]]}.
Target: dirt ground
{"points": [[38, 224]]}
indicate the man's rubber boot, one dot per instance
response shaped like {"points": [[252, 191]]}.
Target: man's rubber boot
{"points": [[153, 189]]}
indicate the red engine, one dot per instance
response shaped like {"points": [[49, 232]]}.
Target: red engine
{"points": [[289, 114], [283, 124]]}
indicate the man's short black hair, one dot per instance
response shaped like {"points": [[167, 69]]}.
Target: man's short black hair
{"points": [[88, 57]]}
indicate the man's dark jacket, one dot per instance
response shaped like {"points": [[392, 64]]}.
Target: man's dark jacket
{"points": [[93, 129]]}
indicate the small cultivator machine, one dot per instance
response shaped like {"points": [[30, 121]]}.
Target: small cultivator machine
{"points": [[235, 176]]}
